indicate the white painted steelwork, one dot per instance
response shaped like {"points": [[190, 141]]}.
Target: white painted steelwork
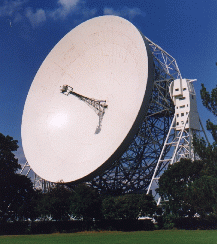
{"points": [[184, 98], [186, 123]]}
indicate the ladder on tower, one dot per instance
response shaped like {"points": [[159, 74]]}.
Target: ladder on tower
{"points": [[162, 161]]}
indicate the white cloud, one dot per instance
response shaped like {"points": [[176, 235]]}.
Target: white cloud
{"points": [[65, 8], [111, 11], [36, 18], [68, 4], [124, 12], [10, 7], [18, 11]]}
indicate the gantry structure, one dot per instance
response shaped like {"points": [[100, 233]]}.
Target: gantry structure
{"points": [[164, 137]]}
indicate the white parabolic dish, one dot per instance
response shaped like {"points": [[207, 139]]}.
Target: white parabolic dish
{"points": [[105, 58]]}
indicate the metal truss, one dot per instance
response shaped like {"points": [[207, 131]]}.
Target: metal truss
{"points": [[99, 106], [41, 184], [133, 171], [166, 63], [38, 182], [26, 169], [178, 144]]}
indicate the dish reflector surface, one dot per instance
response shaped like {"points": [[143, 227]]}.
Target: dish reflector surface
{"points": [[104, 58]]}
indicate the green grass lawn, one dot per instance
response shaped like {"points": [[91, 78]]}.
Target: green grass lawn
{"points": [[150, 237]]}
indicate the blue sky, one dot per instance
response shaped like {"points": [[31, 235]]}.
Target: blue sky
{"points": [[186, 29]]}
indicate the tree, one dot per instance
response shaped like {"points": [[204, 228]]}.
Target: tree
{"points": [[128, 206], [178, 186], [121, 207], [208, 153], [15, 189], [31, 207], [42, 205], [207, 185], [8, 163], [191, 187], [24, 202], [147, 205], [210, 102], [85, 203], [57, 202]]}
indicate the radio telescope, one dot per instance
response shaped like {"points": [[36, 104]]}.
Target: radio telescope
{"points": [[100, 109], [87, 100]]}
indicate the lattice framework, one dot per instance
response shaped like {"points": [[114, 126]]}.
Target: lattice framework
{"points": [[133, 171]]}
